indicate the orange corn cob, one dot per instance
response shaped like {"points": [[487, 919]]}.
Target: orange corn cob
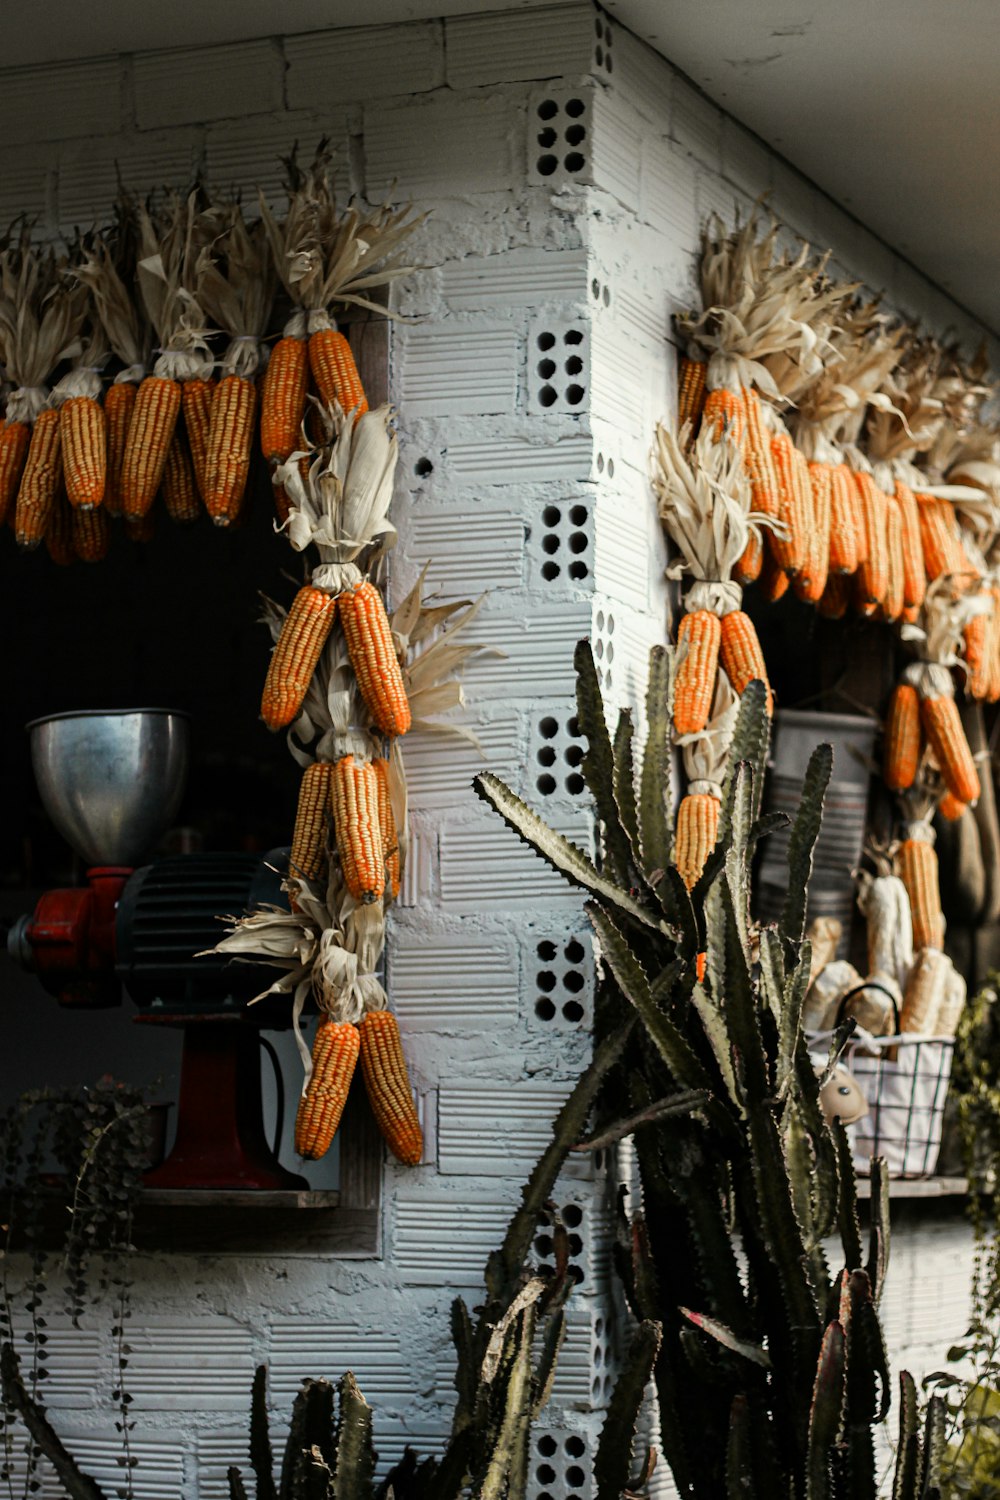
{"points": [[196, 401], [283, 401], [788, 550], [873, 573], [836, 597], [373, 656], [914, 576], [334, 373], [696, 835], [747, 570], [701, 966], [91, 533], [845, 540], [58, 533], [939, 536], [40, 480], [229, 443], [181, 500], [917, 867], [892, 604], [774, 582], [140, 528], [811, 580], [84, 433], [993, 681], [901, 741], [119, 404], [14, 440], [950, 808], [698, 635], [942, 725], [388, 1085], [724, 409], [293, 661], [740, 654], [154, 417], [334, 1058], [387, 826], [354, 798], [764, 486], [690, 392], [308, 858], [977, 638]]}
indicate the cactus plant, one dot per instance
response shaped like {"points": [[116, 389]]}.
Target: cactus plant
{"points": [[771, 1371]]}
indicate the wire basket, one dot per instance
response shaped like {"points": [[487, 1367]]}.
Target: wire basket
{"points": [[905, 1081]]}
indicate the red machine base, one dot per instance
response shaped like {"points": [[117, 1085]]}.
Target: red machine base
{"points": [[220, 1129]]}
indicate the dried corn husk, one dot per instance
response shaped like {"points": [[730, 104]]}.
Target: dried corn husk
{"points": [[952, 1003], [42, 312], [823, 934], [170, 245], [875, 1006], [107, 272], [925, 991], [883, 902], [235, 284], [822, 1002]]}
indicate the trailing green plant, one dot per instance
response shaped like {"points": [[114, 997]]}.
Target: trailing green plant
{"points": [[71, 1164], [771, 1372]]}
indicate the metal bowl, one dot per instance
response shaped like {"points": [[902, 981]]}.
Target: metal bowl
{"points": [[111, 781]]}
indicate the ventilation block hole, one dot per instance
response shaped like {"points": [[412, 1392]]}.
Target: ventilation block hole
{"points": [[572, 1216], [600, 619], [595, 1391], [545, 340], [575, 1476], [547, 395], [546, 368], [547, 950], [599, 650], [575, 1248], [544, 1010], [595, 287], [573, 950], [543, 1245], [578, 514], [547, 137], [545, 1474], [573, 727], [575, 1447], [599, 56], [573, 365], [551, 570], [548, 728], [611, 652], [611, 468], [611, 624], [546, 981], [599, 1327], [578, 570], [423, 467], [547, 165], [546, 785], [578, 543], [598, 27], [547, 757], [575, 395], [548, 109], [575, 784], [609, 63], [606, 297], [552, 515], [600, 463], [573, 981], [546, 1445], [575, 1274], [572, 336], [550, 543], [574, 135], [575, 108], [574, 755]]}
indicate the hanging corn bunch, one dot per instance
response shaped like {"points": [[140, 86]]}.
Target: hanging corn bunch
{"points": [[705, 755]]}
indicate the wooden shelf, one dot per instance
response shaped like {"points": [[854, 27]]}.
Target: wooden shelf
{"points": [[243, 1198], [919, 1187]]}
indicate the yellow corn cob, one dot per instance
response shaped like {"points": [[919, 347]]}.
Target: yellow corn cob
{"points": [[698, 637], [976, 641], [388, 1085], [334, 373], [690, 392], [725, 409], [845, 541], [810, 581], [354, 798], [84, 450], [180, 493], [774, 582], [229, 443], [39, 481], [308, 858], [873, 572], [788, 550], [917, 867], [951, 808], [764, 486], [696, 835], [154, 417], [119, 404], [939, 536], [293, 661], [91, 533], [14, 440], [942, 725], [58, 533], [283, 400], [334, 1058], [387, 827], [747, 570], [740, 654], [892, 604], [835, 597], [914, 576], [901, 741], [373, 656], [196, 401]]}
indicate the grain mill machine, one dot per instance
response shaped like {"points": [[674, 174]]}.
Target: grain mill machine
{"points": [[112, 783]]}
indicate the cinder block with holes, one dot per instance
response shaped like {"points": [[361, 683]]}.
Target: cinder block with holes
{"points": [[588, 1232], [560, 136], [559, 980], [558, 365], [585, 1374], [562, 1464], [560, 544]]}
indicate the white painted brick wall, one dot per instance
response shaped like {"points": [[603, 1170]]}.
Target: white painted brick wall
{"points": [[545, 505]]}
